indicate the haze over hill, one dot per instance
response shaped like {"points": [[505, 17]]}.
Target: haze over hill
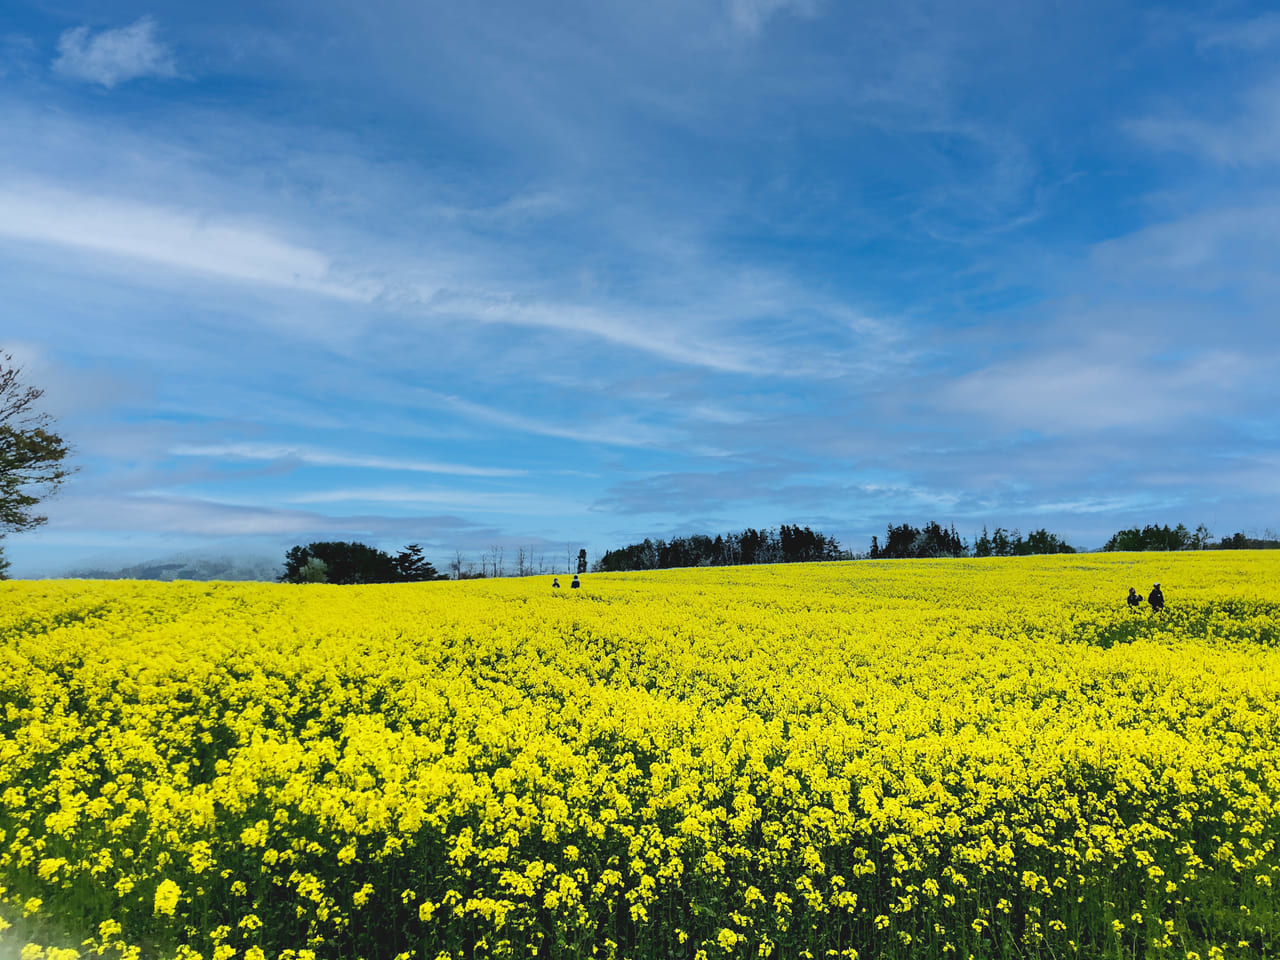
{"points": [[184, 567]]}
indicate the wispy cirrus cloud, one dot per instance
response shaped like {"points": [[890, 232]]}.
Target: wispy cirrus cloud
{"points": [[707, 329], [17, 54], [1111, 383], [1245, 134], [111, 57], [618, 431], [478, 501], [749, 16], [642, 332], [329, 458], [168, 237], [166, 513], [1251, 34]]}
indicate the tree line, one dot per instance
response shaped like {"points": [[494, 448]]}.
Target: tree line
{"points": [[785, 544], [905, 542], [349, 562], [337, 562], [1153, 537]]}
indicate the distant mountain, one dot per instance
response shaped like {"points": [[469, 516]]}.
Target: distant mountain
{"points": [[185, 567]]}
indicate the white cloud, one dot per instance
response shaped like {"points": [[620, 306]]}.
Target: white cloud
{"points": [[16, 54], [637, 333], [749, 16], [501, 502], [1109, 384], [114, 56], [177, 239], [157, 512], [1084, 505], [1246, 136], [188, 239], [1258, 33], [614, 432], [176, 514], [326, 458], [1232, 247]]}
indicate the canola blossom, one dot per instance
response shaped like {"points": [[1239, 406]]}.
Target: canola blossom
{"points": [[976, 758]]}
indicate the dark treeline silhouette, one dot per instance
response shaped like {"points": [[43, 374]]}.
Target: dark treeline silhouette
{"points": [[341, 562], [1238, 541], [1152, 537], [905, 542], [787, 544], [1011, 543]]}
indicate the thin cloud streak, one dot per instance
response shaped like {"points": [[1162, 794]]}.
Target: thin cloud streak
{"points": [[1098, 387], [501, 502], [1250, 35], [165, 513], [637, 334], [1246, 136], [168, 238], [620, 433], [324, 458]]}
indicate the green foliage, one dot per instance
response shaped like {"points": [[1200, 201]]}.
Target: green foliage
{"points": [[787, 544], [4, 565], [1151, 537], [345, 563], [411, 564], [1239, 541], [31, 455], [314, 570], [932, 540], [1006, 543]]}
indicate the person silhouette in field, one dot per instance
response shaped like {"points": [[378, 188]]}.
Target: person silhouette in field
{"points": [[555, 583], [574, 584], [1133, 599], [1156, 599]]}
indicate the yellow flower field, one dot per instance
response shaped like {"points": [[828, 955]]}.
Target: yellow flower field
{"points": [[988, 758]]}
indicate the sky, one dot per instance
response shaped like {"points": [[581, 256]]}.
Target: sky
{"points": [[572, 274]]}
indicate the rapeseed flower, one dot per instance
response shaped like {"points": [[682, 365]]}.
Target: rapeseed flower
{"points": [[896, 759]]}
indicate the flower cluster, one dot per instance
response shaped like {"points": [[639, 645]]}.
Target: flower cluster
{"points": [[872, 759]]}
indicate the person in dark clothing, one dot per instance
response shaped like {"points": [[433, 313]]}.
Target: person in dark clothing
{"points": [[555, 583], [575, 584], [1133, 599], [1156, 599]]}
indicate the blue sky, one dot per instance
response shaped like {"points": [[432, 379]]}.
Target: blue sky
{"points": [[510, 274]]}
